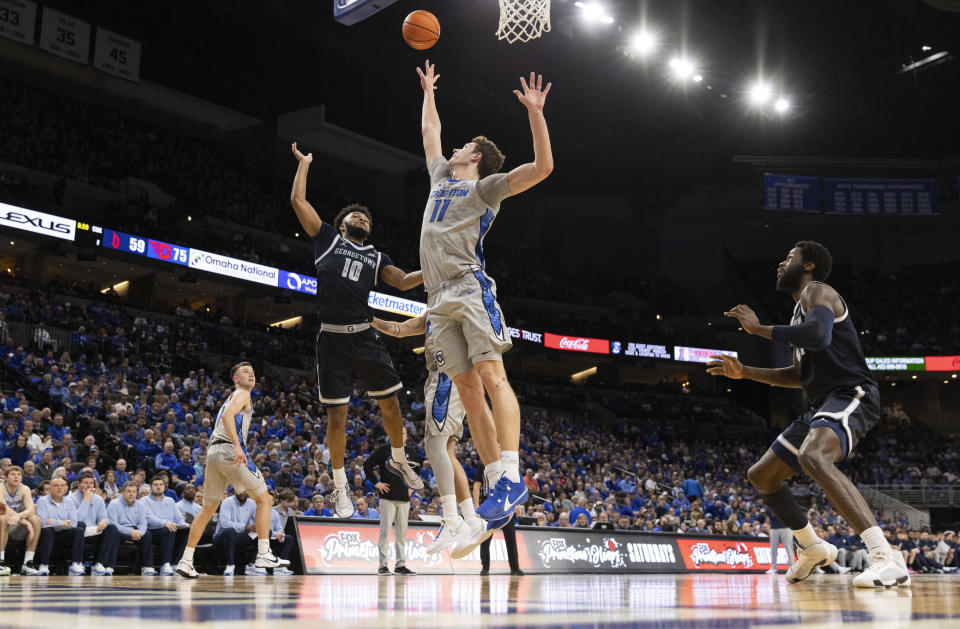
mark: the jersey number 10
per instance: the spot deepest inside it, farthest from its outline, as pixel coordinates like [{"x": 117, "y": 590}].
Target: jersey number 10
[
  {"x": 351, "y": 269},
  {"x": 439, "y": 209}
]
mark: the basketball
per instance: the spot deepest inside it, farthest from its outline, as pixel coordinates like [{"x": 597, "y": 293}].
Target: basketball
[{"x": 421, "y": 30}]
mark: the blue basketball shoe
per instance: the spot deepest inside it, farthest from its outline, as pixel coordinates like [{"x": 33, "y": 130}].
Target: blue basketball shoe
[{"x": 503, "y": 500}]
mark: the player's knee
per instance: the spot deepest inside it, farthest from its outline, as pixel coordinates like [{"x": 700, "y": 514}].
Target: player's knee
[
  {"x": 493, "y": 378},
  {"x": 813, "y": 462},
  {"x": 469, "y": 386},
  {"x": 758, "y": 478}
]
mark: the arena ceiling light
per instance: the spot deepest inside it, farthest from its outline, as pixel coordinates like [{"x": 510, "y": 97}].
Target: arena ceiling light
[
  {"x": 760, "y": 93},
  {"x": 643, "y": 43},
  {"x": 682, "y": 68},
  {"x": 593, "y": 12},
  {"x": 782, "y": 105}
]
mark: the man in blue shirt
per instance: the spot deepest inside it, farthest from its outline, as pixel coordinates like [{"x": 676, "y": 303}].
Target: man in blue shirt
[
  {"x": 130, "y": 518},
  {"x": 58, "y": 517},
  {"x": 92, "y": 513},
  {"x": 166, "y": 459},
  {"x": 692, "y": 489},
  {"x": 232, "y": 537},
  {"x": 364, "y": 512},
  {"x": 317, "y": 508},
  {"x": 165, "y": 523},
  {"x": 183, "y": 471}
]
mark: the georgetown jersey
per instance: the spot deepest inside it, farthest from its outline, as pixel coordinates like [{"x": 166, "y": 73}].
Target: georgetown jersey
[
  {"x": 456, "y": 220},
  {"x": 346, "y": 273},
  {"x": 839, "y": 366}
]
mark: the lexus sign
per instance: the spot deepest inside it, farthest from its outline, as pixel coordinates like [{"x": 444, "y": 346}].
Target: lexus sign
[{"x": 37, "y": 222}]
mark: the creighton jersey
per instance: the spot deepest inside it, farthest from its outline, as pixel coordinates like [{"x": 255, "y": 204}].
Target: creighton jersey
[
  {"x": 242, "y": 422},
  {"x": 840, "y": 365},
  {"x": 346, "y": 273},
  {"x": 456, "y": 220}
]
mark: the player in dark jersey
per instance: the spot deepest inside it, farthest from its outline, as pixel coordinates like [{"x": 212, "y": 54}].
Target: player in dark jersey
[
  {"x": 829, "y": 366},
  {"x": 348, "y": 349}
]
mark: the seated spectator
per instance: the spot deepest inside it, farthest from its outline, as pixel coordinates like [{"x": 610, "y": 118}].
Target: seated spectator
[
  {"x": 92, "y": 514},
  {"x": 317, "y": 508},
  {"x": 20, "y": 522},
  {"x": 364, "y": 512},
  {"x": 130, "y": 517},
  {"x": 183, "y": 471},
  {"x": 191, "y": 503},
  {"x": 232, "y": 537},
  {"x": 166, "y": 459},
  {"x": 60, "y": 530},
  {"x": 165, "y": 522}
]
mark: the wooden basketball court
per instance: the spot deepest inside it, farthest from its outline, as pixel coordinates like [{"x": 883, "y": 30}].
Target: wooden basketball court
[{"x": 699, "y": 600}]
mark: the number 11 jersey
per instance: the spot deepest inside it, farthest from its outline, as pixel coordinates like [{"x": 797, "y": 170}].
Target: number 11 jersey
[{"x": 346, "y": 273}]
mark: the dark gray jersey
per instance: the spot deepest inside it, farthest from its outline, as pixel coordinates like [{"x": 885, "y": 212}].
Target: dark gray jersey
[{"x": 457, "y": 217}]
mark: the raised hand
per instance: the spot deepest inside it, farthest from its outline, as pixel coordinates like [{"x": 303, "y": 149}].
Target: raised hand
[
  {"x": 534, "y": 94},
  {"x": 428, "y": 80},
  {"x": 747, "y": 317},
  {"x": 724, "y": 365},
  {"x": 300, "y": 156}
]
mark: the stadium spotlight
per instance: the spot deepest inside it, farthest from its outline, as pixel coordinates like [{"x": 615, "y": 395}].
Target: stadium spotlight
[
  {"x": 682, "y": 68},
  {"x": 925, "y": 48},
  {"x": 760, "y": 93},
  {"x": 593, "y": 12},
  {"x": 697, "y": 78},
  {"x": 782, "y": 105},
  {"x": 643, "y": 43}
]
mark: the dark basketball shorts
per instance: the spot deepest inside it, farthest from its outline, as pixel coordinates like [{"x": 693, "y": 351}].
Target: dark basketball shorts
[
  {"x": 850, "y": 413},
  {"x": 343, "y": 359}
]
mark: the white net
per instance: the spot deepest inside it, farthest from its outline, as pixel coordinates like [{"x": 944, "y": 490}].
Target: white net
[{"x": 523, "y": 20}]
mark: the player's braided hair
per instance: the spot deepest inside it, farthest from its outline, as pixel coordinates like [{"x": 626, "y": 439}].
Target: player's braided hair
[
  {"x": 811, "y": 251},
  {"x": 491, "y": 159},
  {"x": 353, "y": 207}
]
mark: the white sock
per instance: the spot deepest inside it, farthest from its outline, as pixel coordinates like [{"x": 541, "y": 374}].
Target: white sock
[
  {"x": 466, "y": 508},
  {"x": 806, "y": 536},
  {"x": 263, "y": 546},
  {"x": 492, "y": 473},
  {"x": 398, "y": 454},
  {"x": 874, "y": 539},
  {"x": 449, "y": 506},
  {"x": 2, "y": 553},
  {"x": 188, "y": 554},
  {"x": 27, "y": 556},
  {"x": 339, "y": 478},
  {"x": 510, "y": 459}
]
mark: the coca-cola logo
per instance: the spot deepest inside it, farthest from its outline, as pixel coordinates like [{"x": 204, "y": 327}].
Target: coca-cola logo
[{"x": 578, "y": 344}]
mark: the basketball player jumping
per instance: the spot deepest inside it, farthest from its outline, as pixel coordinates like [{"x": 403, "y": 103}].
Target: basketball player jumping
[
  {"x": 829, "y": 366},
  {"x": 227, "y": 464},
  {"x": 465, "y": 323},
  {"x": 347, "y": 348},
  {"x": 443, "y": 427}
]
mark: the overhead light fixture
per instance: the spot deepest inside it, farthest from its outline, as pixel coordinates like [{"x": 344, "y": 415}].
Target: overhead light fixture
[
  {"x": 925, "y": 48},
  {"x": 593, "y": 12},
  {"x": 916, "y": 65},
  {"x": 682, "y": 67},
  {"x": 580, "y": 376},
  {"x": 760, "y": 93},
  {"x": 697, "y": 78},
  {"x": 782, "y": 105},
  {"x": 287, "y": 323},
  {"x": 643, "y": 43}
]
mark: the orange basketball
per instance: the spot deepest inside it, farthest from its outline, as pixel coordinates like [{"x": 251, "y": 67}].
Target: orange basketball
[{"x": 421, "y": 30}]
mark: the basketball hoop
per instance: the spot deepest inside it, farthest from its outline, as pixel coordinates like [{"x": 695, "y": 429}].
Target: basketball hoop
[{"x": 523, "y": 20}]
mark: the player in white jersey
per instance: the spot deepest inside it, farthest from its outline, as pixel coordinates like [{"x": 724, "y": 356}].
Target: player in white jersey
[
  {"x": 227, "y": 464},
  {"x": 443, "y": 427},
  {"x": 463, "y": 318},
  {"x": 18, "y": 519}
]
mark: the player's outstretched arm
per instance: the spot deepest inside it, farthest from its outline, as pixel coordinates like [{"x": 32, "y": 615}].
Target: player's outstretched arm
[
  {"x": 430, "y": 119},
  {"x": 307, "y": 216},
  {"x": 410, "y": 327},
  {"x": 533, "y": 97},
  {"x": 398, "y": 279},
  {"x": 723, "y": 365}
]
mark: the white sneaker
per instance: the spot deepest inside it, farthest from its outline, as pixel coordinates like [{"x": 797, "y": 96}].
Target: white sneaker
[
  {"x": 887, "y": 569},
  {"x": 148, "y": 572},
  {"x": 773, "y": 571},
  {"x": 843, "y": 570},
  {"x": 229, "y": 570},
  {"x": 472, "y": 534},
  {"x": 5, "y": 571},
  {"x": 342, "y": 504},
  {"x": 43, "y": 570},
  {"x": 185, "y": 569},
  {"x": 166, "y": 570},
  {"x": 282, "y": 570},
  {"x": 406, "y": 473},
  {"x": 253, "y": 571},
  {"x": 447, "y": 536},
  {"x": 76, "y": 570},
  {"x": 98, "y": 570},
  {"x": 269, "y": 560},
  {"x": 808, "y": 559}
]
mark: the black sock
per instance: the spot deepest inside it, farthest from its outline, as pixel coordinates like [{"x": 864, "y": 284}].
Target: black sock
[{"x": 784, "y": 505}]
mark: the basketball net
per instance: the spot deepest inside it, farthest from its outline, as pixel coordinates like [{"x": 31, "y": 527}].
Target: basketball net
[{"x": 523, "y": 20}]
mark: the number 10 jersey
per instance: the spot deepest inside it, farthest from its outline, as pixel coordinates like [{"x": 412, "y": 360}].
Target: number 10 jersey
[{"x": 346, "y": 273}]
